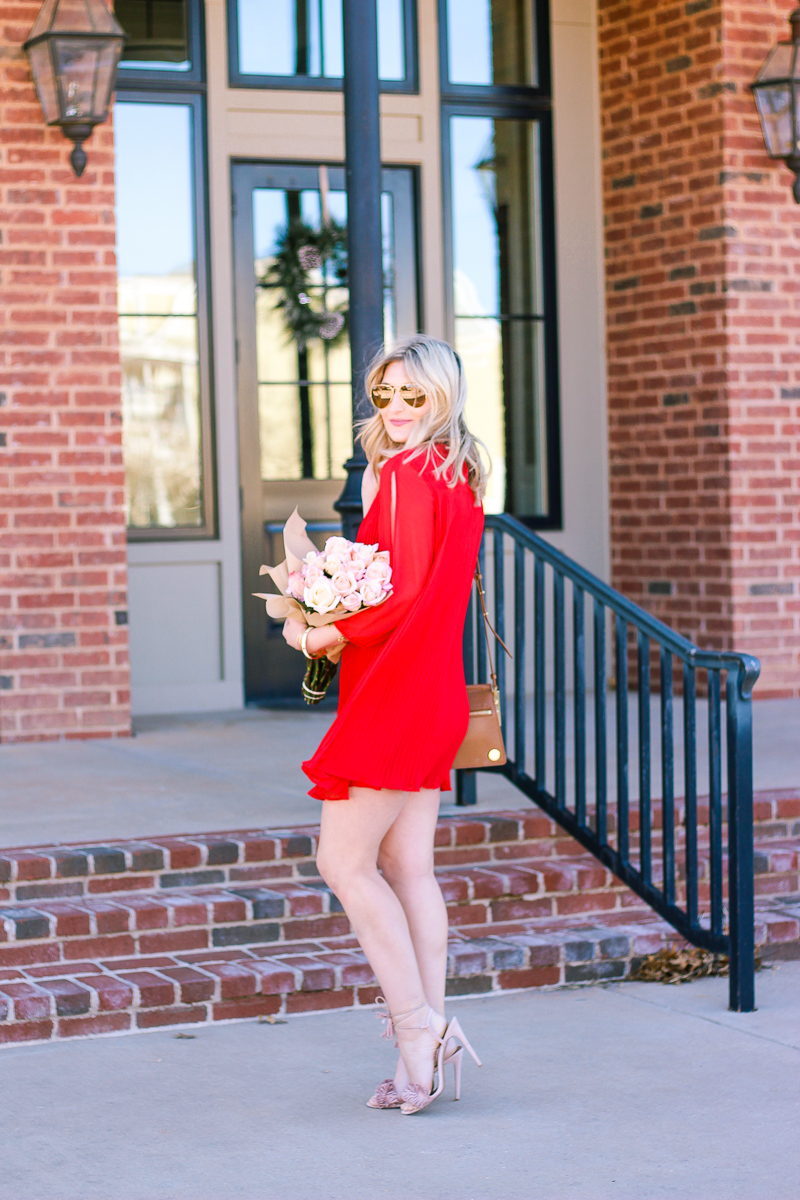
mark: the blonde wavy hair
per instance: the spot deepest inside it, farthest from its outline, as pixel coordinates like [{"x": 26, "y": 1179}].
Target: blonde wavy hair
[{"x": 436, "y": 368}]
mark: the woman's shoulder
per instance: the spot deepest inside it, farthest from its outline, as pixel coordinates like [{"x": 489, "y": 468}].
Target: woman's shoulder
[{"x": 408, "y": 465}]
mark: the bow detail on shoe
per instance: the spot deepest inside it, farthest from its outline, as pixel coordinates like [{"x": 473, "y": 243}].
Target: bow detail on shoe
[
  {"x": 414, "y": 1098},
  {"x": 385, "y": 1096}
]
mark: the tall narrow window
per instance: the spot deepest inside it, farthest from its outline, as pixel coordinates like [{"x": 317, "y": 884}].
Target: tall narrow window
[
  {"x": 491, "y": 42},
  {"x": 498, "y": 153},
  {"x": 164, "y": 414},
  {"x": 498, "y": 299},
  {"x": 165, "y": 37},
  {"x": 287, "y": 43}
]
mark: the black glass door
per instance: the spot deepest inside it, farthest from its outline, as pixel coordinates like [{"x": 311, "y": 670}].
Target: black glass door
[{"x": 295, "y": 413}]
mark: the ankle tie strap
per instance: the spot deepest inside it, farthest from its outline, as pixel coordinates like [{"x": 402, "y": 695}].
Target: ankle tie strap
[{"x": 393, "y": 1021}]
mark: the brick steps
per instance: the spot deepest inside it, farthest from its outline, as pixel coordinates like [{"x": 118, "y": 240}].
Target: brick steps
[
  {"x": 119, "y": 995},
  {"x": 253, "y": 856},
  {"x": 132, "y": 935},
  {"x": 175, "y": 920}
]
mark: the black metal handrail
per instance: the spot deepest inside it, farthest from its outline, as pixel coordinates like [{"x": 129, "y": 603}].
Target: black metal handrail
[{"x": 671, "y": 884}]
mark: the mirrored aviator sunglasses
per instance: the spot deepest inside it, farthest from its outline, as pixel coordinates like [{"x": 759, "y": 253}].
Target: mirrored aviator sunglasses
[{"x": 383, "y": 393}]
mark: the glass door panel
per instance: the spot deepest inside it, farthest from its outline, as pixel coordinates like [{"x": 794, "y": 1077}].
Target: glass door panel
[
  {"x": 498, "y": 302},
  {"x": 295, "y": 398}
]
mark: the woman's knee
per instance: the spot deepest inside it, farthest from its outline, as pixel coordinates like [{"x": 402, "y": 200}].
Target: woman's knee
[
  {"x": 405, "y": 868},
  {"x": 328, "y": 868},
  {"x": 341, "y": 873}
]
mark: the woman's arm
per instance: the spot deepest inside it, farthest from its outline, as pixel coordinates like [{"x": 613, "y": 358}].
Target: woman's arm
[
  {"x": 369, "y": 488},
  {"x": 410, "y": 540}
]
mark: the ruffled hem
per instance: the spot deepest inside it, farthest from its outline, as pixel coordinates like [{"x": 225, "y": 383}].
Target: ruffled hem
[{"x": 337, "y": 787}]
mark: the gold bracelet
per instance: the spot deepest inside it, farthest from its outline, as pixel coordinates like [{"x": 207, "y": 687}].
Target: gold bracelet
[{"x": 303, "y": 647}]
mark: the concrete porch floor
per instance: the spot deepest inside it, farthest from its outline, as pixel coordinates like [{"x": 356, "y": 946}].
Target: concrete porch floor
[
  {"x": 235, "y": 770},
  {"x": 624, "y": 1092}
]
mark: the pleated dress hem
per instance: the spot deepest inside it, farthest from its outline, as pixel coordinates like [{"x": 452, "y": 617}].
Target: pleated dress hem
[{"x": 337, "y": 787}]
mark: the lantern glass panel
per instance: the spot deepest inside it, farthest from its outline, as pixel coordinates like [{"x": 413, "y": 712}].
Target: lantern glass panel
[
  {"x": 82, "y": 16},
  {"x": 85, "y": 71},
  {"x": 775, "y": 110},
  {"x": 45, "y": 81},
  {"x": 778, "y": 63}
]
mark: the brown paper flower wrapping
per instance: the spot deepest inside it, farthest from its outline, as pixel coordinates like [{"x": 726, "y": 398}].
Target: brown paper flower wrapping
[{"x": 296, "y": 544}]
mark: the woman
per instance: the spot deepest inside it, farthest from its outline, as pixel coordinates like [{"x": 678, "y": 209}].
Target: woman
[{"x": 403, "y": 707}]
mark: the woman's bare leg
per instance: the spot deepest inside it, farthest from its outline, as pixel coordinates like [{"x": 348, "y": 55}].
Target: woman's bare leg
[
  {"x": 406, "y": 862},
  {"x": 351, "y": 834}
]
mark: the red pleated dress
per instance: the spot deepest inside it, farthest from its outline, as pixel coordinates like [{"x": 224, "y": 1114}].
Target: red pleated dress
[{"x": 403, "y": 708}]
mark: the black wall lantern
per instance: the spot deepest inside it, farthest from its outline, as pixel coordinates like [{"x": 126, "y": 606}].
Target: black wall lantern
[
  {"x": 74, "y": 49},
  {"x": 777, "y": 93}
]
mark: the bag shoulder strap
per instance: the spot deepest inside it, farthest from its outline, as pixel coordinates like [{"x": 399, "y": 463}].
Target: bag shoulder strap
[{"x": 488, "y": 627}]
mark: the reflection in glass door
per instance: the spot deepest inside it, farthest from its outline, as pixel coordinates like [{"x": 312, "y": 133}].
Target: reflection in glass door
[{"x": 295, "y": 411}]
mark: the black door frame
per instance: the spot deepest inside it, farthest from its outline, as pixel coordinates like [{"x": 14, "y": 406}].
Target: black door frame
[{"x": 263, "y": 647}]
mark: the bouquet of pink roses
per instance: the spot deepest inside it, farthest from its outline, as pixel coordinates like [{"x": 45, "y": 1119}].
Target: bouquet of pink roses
[
  {"x": 322, "y": 586},
  {"x": 347, "y": 576}
]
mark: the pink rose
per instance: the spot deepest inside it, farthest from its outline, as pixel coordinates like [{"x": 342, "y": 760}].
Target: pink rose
[
  {"x": 296, "y": 586},
  {"x": 336, "y": 545},
  {"x": 383, "y": 555},
  {"x": 380, "y": 571},
  {"x": 321, "y": 597},
  {"x": 343, "y": 582},
  {"x": 352, "y": 602},
  {"x": 333, "y": 564},
  {"x": 312, "y": 574},
  {"x": 358, "y": 566},
  {"x": 363, "y": 552},
  {"x": 370, "y": 592}
]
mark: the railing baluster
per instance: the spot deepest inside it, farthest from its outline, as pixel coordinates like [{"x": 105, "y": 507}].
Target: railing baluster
[
  {"x": 600, "y": 780},
  {"x": 690, "y": 788},
  {"x": 621, "y": 672},
  {"x": 539, "y": 696},
  {"x": 519, "y": 655},
  {"x": 559, "y": 652},
  {"x": 645, "y": 817},
  {"x": 500, "y": 618},
  {"x": 579, "y": 699},
  {"x": 715, "y": 799},
  {"x": 667, "y": 778}
]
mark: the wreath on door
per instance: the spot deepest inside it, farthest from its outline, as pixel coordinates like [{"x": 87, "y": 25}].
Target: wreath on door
[{"x": 305, "y": 259}]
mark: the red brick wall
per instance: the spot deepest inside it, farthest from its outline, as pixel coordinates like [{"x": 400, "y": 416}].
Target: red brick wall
[
  {"x": 702, "y": 236},
  {"x": 763, "y": 360},
  {"x": 63, "y": 637}
]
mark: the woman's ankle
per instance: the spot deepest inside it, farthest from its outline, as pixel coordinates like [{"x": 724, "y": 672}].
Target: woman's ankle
[{"x": 438, "y": 1022}]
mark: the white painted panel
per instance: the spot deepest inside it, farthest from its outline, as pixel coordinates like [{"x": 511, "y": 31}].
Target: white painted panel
[
  {"x": 581, "y": 287},
  {"x": 174, "y": 614}
]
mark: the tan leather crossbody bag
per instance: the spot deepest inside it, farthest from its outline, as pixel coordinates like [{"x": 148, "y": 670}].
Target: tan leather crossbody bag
[{"x": 483, "y": 746}]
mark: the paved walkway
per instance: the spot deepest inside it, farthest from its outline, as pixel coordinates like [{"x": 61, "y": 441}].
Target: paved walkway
[
  {"x": 242, "y": 770},
  {"x": 630, "y": 1092}
]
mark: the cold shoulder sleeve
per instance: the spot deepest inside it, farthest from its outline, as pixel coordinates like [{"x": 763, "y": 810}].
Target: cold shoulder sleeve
[{"x": 410, "y": 540}]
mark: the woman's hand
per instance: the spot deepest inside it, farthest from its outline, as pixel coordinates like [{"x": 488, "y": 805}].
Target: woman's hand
[
  {"x": 322, "y": 640},
  {"x": 293, "y": 630}
]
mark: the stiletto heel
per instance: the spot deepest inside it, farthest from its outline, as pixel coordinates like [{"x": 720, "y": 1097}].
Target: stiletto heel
[
  {"x": 456, "y": 1061},
  {"x": 454, "y": 1030}
]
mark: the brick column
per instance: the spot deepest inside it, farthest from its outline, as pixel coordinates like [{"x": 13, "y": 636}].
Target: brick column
[
  {"x": 702, "y": 257},
  {"x": 63, "y": 632}
]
